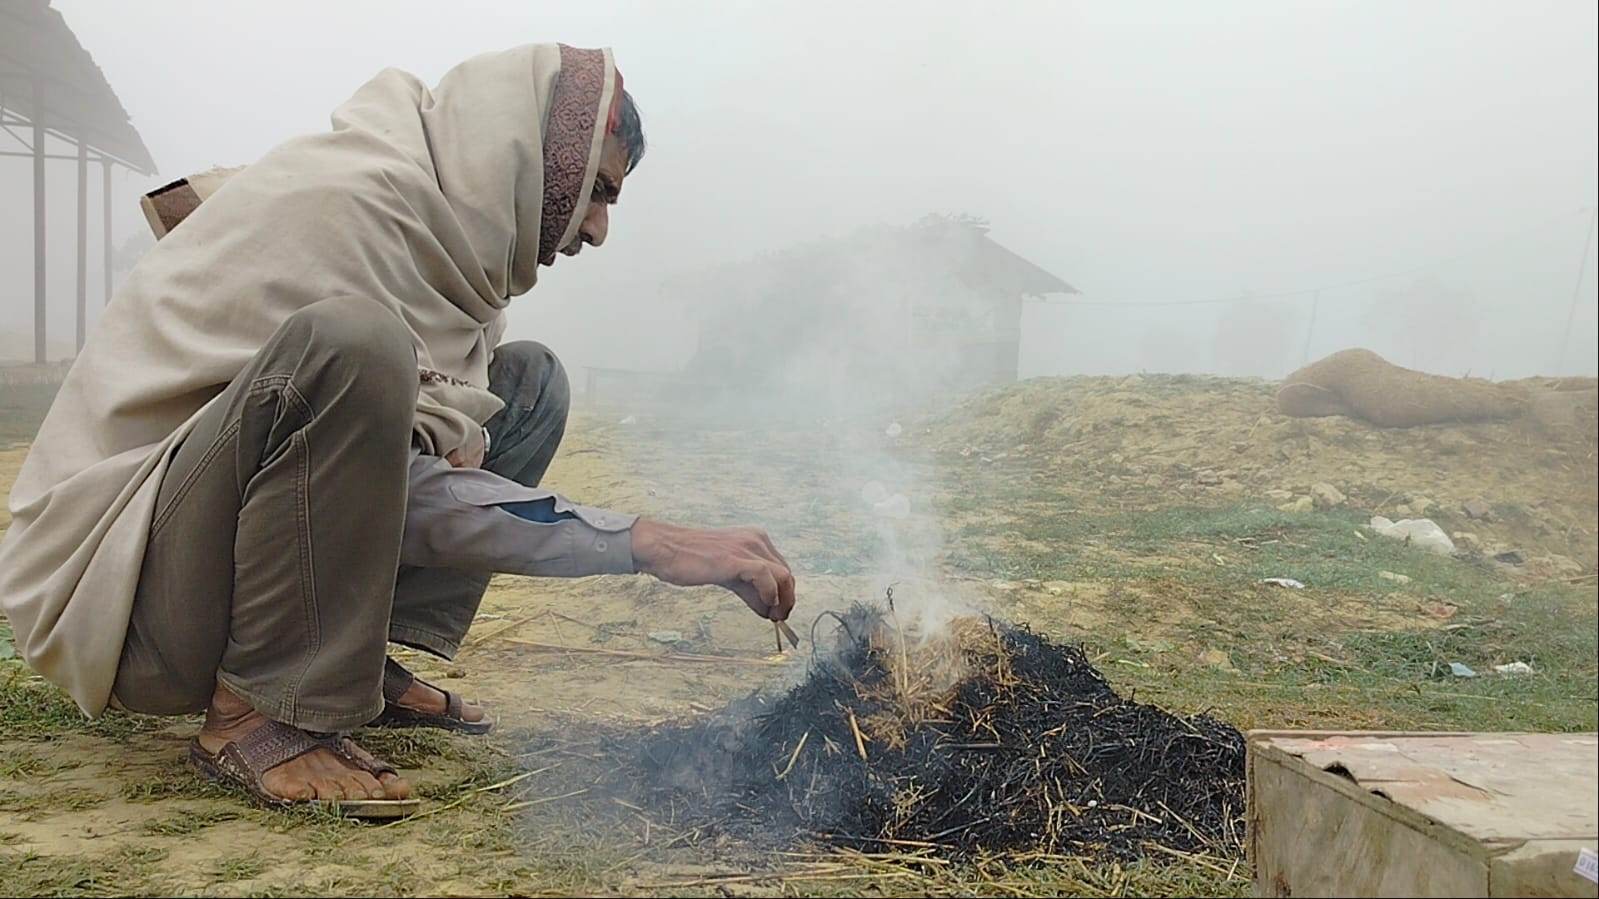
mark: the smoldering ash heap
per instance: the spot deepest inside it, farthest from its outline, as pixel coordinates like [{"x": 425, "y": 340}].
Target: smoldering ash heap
[{"x": 975, "y": 737}]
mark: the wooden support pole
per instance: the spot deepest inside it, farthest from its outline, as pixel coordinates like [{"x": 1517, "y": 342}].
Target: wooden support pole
[
  {"x": 83, "y": 244},
  {"x": 38, "y": 227},
  {"x": 105, "y": 197}
]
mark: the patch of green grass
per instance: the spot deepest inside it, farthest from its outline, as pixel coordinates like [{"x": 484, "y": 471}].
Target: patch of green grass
[
  {"x": 32, "y": 874},
  {"x": 188, "y": 821},
  {"x": 238, "y": 867},
  {"x": 118, "y": 872},
  {"x": 1303, "y": 669},
  {"x": 36, "y": 802},
  {"x": 20, "y": 763},
  {"x": 168, "y": 783},
  {"x": 31, "y": 709}
]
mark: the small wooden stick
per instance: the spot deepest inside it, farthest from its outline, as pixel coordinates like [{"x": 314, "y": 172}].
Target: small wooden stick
[
  {"x": 860, "y": 742},
  {"x": 777, "y": 632},
  {"x": 793, "y": 638},
  {"x": 795, "y": 757}
]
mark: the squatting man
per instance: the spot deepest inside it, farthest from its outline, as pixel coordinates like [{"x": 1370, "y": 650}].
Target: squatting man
[{"x": 296, "y": 437}]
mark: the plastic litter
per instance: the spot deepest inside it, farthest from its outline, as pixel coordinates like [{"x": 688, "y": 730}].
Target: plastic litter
[
  {"x": 1288, "y": 582},
  {"x": 1514, "y": 668},
  {"x": 894, "y": 430},
  {"x": 1459, "y": 670}
]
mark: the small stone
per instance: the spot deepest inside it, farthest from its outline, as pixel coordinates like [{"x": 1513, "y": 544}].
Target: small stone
[
  {"x": 1403, "y": 511},
  {"x": 1510, "y": 557},
  {"x": 1326, "y": 496},
  {"x": 1478, "y": 509},
  {"x": 455, "y": 672},
  {"x": 1468, "y": 541},
  {"x": 667, "y": 637},
  {"x": 1208, "y": 478},
  {"x": 1003, "y": 586},
  {"x": 1279, "y": 495},
  {"x": 1420, "y": 506},
  {"x": 1057, "y": 588},
  {"x": 1218, "y": 659},
  {"x": 1298, "y": 506},
  {"x": 1396, "y": 578}
]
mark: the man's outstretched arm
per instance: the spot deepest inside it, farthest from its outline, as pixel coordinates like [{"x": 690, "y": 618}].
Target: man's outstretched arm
[{"x": 475, "y": 520}]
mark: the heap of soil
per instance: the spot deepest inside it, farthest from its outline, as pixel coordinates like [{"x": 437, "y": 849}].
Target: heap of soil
[
  {"x": 980, "y": 738},
  {"x": 1361, "y": 384},
  {"x": 1155, "y": 441}
]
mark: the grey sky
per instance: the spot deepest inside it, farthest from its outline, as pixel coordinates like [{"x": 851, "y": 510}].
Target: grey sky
[{"x": 1142, "y": 151}]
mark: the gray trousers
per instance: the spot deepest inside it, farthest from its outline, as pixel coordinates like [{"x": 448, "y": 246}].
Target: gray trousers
[{"x": 273, "y": 560}]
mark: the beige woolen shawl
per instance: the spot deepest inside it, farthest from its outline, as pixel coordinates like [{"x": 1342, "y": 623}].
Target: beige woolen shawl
[{"x": 437, "y": 205}]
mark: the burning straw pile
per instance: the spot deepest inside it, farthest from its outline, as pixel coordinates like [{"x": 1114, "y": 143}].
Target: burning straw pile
[{"x": 981, "y": 738}]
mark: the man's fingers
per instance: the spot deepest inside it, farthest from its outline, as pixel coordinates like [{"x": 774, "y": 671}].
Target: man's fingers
[
  {"x": 785, "y": 596},
  {"x": 750, "y": 596},
  {"x": 765, "y": 583}
]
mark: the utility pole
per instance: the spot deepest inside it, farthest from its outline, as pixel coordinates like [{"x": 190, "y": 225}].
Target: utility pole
[
  {"x": 1576, "y": 291},
  {"x": 1315, "y": 301}
]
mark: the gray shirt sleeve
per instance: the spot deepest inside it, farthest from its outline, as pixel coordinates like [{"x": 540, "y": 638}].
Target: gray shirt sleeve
[{"x": 455, "y": 519}]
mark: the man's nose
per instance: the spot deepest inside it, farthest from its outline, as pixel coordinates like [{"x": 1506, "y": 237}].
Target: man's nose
[{"x": 595, "y": 225}]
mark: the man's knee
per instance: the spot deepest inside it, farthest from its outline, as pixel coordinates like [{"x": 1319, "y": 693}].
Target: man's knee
[
  {"x": 528, "y": 374},
  {"x": 355, "y": 349}
]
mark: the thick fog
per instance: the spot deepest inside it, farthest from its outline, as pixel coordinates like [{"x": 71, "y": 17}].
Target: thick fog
[{"x": 1430, "y": 165}]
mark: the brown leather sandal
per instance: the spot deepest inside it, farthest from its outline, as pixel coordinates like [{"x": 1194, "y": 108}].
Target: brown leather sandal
[
  {"x": 242, "y": 763},
  {"x": 396, "y": 680}
]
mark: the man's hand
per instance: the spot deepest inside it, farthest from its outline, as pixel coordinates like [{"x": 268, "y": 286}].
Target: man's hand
[
  {"x": 741, "y": 559},
  {"x": 471, "y": 455}
]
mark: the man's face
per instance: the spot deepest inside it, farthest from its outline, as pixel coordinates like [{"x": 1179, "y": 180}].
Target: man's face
[{"x": 607, "y": 188}]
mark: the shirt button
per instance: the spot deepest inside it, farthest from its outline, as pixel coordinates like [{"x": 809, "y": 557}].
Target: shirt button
[
  {"x": 600, "y": 545},
  {"x": 600, "y": 521}
]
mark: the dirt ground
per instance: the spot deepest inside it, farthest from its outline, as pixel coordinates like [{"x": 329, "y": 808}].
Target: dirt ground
[{"x": 1138, "y": 516}]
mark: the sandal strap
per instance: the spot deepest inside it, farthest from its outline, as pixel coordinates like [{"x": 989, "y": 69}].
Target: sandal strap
[
  {"x": 453, "y": 706},
  {"x": 396, "y": 680},
  {"x": 345, "y": 748},
  {"x": 251, "y": 756}
]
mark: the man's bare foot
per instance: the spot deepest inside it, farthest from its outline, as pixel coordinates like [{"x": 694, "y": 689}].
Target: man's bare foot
[
  {"x": 319, "y": 774},
  {"x": 423, "y": 697}
]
